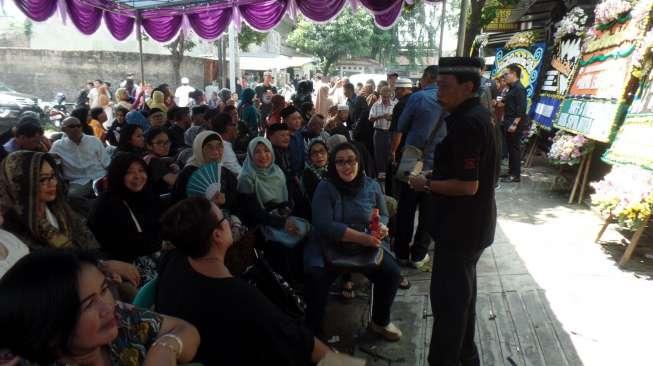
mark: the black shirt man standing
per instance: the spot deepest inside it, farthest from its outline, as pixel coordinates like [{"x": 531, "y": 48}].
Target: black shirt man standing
[
  {"x": 514, "y": 120},
  {"x": 464, "y": 217}
]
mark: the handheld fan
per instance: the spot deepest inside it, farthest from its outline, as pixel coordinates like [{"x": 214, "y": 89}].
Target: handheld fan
[{"x": 205, "y": 181}]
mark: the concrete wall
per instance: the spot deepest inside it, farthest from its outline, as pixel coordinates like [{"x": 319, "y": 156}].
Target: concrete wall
[{"x": 43, "y": 73}]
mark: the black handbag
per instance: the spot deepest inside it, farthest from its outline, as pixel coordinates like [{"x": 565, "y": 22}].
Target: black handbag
[
  {"x": 273, "y": 286},
  {"x": 351, "y": 257}
]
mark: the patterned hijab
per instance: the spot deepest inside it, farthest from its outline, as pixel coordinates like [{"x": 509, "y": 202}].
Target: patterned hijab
[
  {"x": 19, "y": 184},
  {"x": 268, "y": 183},
  {"x": 318, "y": 171}
]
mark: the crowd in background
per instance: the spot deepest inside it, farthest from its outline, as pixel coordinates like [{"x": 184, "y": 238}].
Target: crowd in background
[{"x": 161, "y": 187}]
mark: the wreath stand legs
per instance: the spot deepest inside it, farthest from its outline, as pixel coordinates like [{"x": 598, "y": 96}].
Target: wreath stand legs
[
  {"x": 581, "y": 178},
  {"x": 632, "y": 245}
]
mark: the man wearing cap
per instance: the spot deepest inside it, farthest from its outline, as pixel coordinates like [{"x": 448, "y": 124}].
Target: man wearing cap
[
  {"x": 403, "y": 90},
  {"x": 182, "y": 94},
  {"x": 336, "y": 125},
  {"x": 464, "y": 219},
  {"x": 84, "y": 158},
  {"x": 264, "y": 93},
  {"x": 418, "y": 119}
]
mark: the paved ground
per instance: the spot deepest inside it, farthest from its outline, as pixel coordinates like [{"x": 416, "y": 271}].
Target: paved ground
[{"x": 548, "y": 295}]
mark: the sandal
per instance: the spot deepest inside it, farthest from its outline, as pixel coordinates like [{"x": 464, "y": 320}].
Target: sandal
[
  {"x": 404, "y": 284},
  {"x": 347, "y": 291}
]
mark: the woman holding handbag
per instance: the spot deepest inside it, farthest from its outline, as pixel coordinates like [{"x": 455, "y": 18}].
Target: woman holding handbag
[
  {"x": 349, "y": 217},
  {"x": 263, "y": 200}
]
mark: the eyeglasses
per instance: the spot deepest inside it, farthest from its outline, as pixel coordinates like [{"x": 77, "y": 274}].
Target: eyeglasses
[
  {"x": 349, "y": 162},
  {"x": 47, "y": 179}
]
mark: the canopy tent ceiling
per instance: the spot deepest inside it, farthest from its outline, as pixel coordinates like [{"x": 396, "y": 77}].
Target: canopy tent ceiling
[{"x": 163, "y": 19}]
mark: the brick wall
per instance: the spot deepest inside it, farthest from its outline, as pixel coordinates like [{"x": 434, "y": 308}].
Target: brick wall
[{"x": 43, "y": 73}]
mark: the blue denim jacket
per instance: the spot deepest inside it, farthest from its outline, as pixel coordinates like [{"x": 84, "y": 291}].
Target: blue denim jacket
[
  {"x": 329, "y": 225},
  {"x": 419, "y": 117}
]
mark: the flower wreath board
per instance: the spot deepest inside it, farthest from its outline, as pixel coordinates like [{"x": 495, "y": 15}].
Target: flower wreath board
[
  {"x": 596, "y": 102},
  {"x": 633, "y": 143},
  {"x": 523, "y": 51},
  {"x": 561, "y": 70}
]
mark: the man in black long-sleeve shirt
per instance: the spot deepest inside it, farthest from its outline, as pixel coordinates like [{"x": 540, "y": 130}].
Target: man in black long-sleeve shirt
[
  {"x": 359, "y": 113},
  {"x": 514, "y": 120}
]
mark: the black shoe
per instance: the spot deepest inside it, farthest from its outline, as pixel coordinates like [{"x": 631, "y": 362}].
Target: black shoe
[
  {"x": 511, "y": 179},
  {"x": 506, "y": 175}
]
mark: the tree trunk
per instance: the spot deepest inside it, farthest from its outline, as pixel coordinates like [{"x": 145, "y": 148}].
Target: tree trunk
[
  {"x": 327, "y": 66},
  {"x": 473, "y": 25},
  {"x": 177, "y": 48}
]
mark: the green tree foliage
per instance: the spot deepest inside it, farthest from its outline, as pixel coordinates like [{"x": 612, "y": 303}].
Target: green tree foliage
[
  {"x": 248, "y": 36},
  {"x": 347, "y": 35},
  {"x": 415, "y": 35}
]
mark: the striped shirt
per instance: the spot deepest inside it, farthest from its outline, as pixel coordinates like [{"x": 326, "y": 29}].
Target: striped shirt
[{"x": 379, "y": 109}]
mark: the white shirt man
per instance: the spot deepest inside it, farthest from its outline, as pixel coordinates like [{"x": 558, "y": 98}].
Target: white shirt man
[
  {"x": 181, "y": 94},
  {"x": 84, "y": 157}
]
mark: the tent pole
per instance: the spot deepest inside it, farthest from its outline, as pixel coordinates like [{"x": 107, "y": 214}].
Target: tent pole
[
  {"x": 232, "y": 58},
  {"x": 442, "y": 15},
  {"x": 139, "y": 34}
]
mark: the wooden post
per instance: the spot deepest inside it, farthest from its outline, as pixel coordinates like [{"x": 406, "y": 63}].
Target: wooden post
[
  {"x": 607, "y": 222},
  {"x": 588, "y": 164},
  {"x": 577, "y": 180},
  {"x": 632, "y": 245},
  {"x": 530, "y": 155}
]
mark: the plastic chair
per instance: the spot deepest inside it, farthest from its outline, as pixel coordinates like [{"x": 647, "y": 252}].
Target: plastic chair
[{"x": 146, "y": 295}]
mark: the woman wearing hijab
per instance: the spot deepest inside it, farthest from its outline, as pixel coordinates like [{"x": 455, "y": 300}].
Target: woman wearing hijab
[
  {"x": 264, "y": 201},
  {"x": 322, "y": 101},
  {"x": 157, "y": 101},
  {"x": 316, "y": 166},
  {"x": 248, "y": 112},
  {"x": 131, "y": 140},
  {"x": 125, "y": 219},
  {"x": 36, "y": 211},
  {"x": 343, "y": 205},
  {"x": 208, "y": 148},
  {"x": 137, "y": 118}
]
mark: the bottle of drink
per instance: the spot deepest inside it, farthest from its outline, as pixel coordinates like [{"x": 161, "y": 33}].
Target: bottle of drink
[{"x": 375, "y": 224}]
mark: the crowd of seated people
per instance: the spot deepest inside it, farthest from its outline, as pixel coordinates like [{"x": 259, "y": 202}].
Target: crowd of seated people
[{"x": 159, "y": 197}]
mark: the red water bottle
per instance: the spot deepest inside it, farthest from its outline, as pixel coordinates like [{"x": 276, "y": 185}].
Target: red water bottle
[{"x": 375, "y": 225}]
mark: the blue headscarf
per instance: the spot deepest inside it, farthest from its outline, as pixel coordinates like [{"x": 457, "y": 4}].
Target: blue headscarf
[{"x": 137, "y": 118}]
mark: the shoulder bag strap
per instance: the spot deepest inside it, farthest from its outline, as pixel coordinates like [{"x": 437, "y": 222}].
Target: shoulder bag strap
[{"x": 434, "y": 133}]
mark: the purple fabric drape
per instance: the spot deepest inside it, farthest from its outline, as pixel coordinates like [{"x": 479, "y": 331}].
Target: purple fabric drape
[
  {"x": 85, "y": 17},
  {"x": 164, "y": 27},
  {"x": 264, "y": 15},
  {"x": 120, "y": 26},
  {"x": 320, "y": 10},
  {"x": 210, "y": 23},
  {"x": 381, "y": 6},
  {"x": 388, "y": 18},
  {"x": 37, "y": 10}
]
